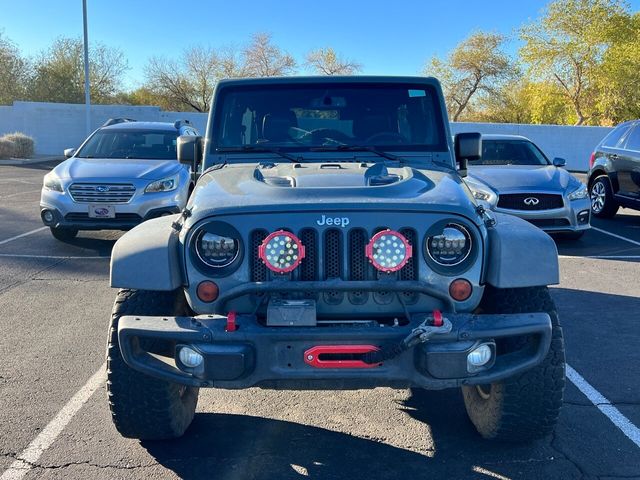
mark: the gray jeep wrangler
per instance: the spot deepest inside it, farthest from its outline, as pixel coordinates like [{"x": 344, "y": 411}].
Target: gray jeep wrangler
[{"x": 332, "y": 243}]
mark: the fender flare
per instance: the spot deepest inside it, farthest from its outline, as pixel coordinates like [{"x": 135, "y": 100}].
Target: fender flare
[
  {"x": 520, "y": 254},
  {"x": 148, "y": 257}
]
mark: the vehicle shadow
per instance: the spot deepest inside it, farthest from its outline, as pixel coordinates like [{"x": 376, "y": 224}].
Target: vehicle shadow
[{"x": 226, "y": 446}]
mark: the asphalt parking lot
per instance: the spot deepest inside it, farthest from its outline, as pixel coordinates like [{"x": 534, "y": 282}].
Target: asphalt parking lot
[{"x": 54, "y": 421}]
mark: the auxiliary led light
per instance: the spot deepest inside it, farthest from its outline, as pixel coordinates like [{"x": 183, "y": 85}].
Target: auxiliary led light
[
  {"x": 281, "y": 251},
  {"x": 388, "y": 251},
  {"x": 190, "y": 358}
]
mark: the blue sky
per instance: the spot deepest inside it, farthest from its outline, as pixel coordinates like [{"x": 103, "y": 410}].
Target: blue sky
[{"x": 386, "y": 36}]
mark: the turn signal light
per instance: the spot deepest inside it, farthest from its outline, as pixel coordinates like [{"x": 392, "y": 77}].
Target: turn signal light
[
  {"x": 207, "y": 291},
  {"x": 460, "y": 289}
]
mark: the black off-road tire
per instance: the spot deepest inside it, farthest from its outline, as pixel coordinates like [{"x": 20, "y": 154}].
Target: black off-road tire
[
  {"x": 525, "y": 407},
  {"x": 64, "y": 234},
  {"x": 141, "y": 406},
  {"x": 602, "y": 186}
]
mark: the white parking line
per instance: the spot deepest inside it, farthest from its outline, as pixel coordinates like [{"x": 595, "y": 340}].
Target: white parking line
[
  {"x": 30, "y": 455},
  {"x": 2, "y": 242},
  {"x": 619, "y": 237},
  {"x": 612, "y": 413}
]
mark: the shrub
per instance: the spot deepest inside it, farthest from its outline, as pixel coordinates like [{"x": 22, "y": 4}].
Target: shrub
[
  {"x": 6, "y": 148},
  {"x": 23, "y": 145}
]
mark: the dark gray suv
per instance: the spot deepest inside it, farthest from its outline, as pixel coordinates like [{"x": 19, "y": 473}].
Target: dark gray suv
[{"x": 614, "y": 175}]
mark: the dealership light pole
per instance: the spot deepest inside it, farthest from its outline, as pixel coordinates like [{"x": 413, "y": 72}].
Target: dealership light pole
[{"x": 87, "y": 85}]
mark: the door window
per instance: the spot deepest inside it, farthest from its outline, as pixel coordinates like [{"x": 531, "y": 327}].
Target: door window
[{"x": 633, "y": 140}]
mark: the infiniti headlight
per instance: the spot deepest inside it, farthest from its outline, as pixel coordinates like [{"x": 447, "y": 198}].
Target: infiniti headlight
[
  {"x": 51, "y": 182},
  {"x": 164, "y": 185},
  {"x": 216, "y": 250},
  {"x": 451, "y": 246},
  {"x": 579, "y": 193}
]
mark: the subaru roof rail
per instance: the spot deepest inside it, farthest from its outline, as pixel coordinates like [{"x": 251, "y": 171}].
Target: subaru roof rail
[
  {"x": 179, "y": 123},
  {"x": 114, "y": 121}
]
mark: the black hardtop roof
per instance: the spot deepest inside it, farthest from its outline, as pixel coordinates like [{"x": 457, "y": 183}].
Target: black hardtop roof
[{"x": 324, "y": 79}]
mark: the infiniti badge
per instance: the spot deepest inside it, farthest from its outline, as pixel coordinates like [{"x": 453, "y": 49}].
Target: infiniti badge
[{"x": 531, "y": 201}]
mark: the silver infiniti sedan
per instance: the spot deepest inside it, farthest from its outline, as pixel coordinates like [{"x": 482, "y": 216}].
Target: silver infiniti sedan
[
  {"x": 124, "y": 173},
  {"x": 514, "y": 176}
]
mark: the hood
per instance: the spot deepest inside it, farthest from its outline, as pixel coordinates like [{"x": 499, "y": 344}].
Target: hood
[
  {"x": 331, "y": 186},
  {"x": 107, "y": 169},
  {"x": 503, "y": 178}
]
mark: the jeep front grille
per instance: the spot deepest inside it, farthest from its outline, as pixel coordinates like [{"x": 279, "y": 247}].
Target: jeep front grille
[
  {"x": 530, "y": 201},
  {"x": 102, "y": 192},
  {"x": 325, "y": 259}
]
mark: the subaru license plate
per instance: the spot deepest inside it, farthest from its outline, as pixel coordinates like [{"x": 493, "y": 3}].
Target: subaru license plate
[{"x": 102, "y": 211}]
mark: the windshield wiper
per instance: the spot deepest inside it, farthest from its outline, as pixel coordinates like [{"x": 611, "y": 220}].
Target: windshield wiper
[
  {"x": 358, "y": 148},
  {"x": 258, "y": 149}
]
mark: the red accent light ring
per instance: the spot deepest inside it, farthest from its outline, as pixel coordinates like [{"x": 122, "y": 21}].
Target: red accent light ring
[
  {"x": 397, "y": 250},
  {"x": 281, "y": 255}
]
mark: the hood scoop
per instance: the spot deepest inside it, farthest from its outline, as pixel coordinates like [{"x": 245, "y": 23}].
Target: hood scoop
[{"x": 378, "y": 175}]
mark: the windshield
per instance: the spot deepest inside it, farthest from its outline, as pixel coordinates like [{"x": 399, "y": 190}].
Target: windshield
[
  {"x": 510, "y": 152},
  {"x": 139, "y": 144},
  {"x": 304, "y": 117}
]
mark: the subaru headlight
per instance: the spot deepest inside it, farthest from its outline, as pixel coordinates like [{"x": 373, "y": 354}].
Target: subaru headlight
[
  {"x": 51, "y": 182},
  {"x": 164, "y": 185},
  {"x": 579, "y": 193},
  {"x": 215, "y": 250},
  {"x": 451, "y": 246}
]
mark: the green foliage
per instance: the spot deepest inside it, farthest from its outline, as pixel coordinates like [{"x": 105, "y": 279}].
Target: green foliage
[
  {"x": 59, "y": 72},
  {"x": 325, "y": 61},
  {"x": 14, "y": 72},
  {"x": 16, "y": 145},
  {"x": 476, "y": 67}
]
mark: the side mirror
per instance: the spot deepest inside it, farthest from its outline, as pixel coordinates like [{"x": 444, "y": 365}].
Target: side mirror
[
  {"x": 190, "y": 151},
  {"x": 69, "y": 152},
  {"x": 559, "y": 162},
  {"x": 467, "y": 146}
]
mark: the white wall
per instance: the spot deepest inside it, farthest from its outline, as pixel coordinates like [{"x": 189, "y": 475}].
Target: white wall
[
  {"x": 56, "y": 126},
  {"x": 574, "y": 144}
]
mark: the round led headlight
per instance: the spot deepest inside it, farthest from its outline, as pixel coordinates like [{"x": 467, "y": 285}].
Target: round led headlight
[
  {"x": 216, "y": 250},
  {"x": 451, "y": 247},
  {"x": 388, "y": 251},
  {"x": 281, "y": 251}
]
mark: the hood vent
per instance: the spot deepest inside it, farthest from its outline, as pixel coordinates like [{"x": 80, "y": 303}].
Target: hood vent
[
  {"x": 279, "y": 181},
  {"x": 378, "y": 175}
]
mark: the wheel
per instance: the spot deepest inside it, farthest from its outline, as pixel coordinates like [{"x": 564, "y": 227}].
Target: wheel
[
  {"x": 64, "y": 234},
  {"x": 525, "y": 407},
  {"x": 603, "y": 204},
  {"x": 141, "y": 406}
]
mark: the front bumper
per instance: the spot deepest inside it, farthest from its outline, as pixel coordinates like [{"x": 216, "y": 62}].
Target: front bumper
[
  {"x": 274, "y": 357},
  {"x": 68, "y": 213},
  {"x": 574, "y": 216}
]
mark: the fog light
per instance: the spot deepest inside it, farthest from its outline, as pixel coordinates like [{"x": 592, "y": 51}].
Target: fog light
[
  {"x": 47, "y": 216},
  {"x": 583, "y": 217},
  {"x": 479, "y": 357},
  {"x": 190, "y": 358}
]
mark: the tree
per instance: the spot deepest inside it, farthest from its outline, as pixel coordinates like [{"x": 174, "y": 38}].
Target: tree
[
  {"x": 568, "y": 44},
  {"x": 59, "y": 72},
  {"x": 14, "y": 72},
  {"x": 476, "y": 66},
  {"x": 189, "y": 82},
  {"x": 325, "y": 61},
  {"x": 264, "y": 59}
]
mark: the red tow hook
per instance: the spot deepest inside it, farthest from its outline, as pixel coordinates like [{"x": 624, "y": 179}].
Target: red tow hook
[
  {"x": 231, "y": 322},
  {"x": 437, "y": 318},
  {"x": 333, "y": 356}
]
